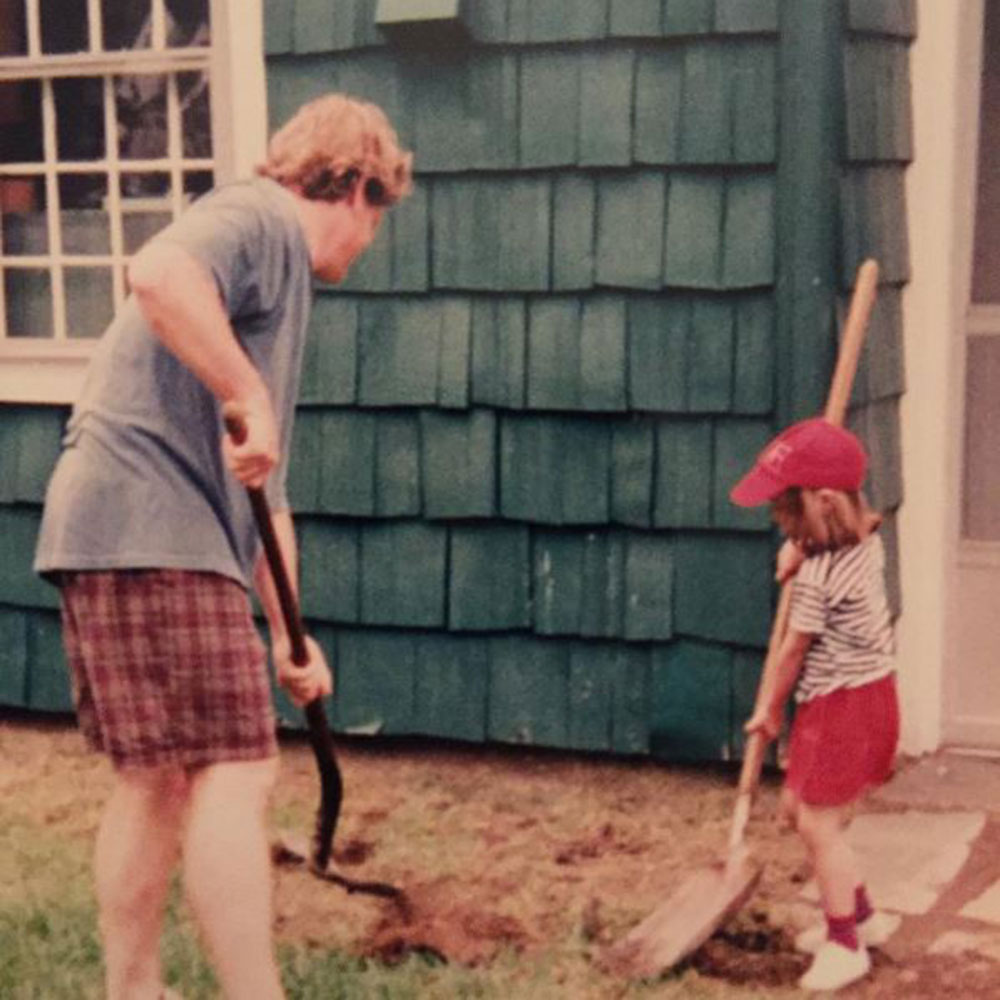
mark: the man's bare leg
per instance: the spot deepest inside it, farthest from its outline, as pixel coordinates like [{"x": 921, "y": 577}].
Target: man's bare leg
[
  {"x": 227, "y": 874},
  {"x": 137, "y": 847}
]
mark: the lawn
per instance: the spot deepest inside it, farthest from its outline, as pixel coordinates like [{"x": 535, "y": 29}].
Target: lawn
[{"x": 521, "y": 867}]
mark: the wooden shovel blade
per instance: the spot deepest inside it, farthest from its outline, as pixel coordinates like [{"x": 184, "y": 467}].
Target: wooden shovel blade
[{"x": 685, "y": 921}]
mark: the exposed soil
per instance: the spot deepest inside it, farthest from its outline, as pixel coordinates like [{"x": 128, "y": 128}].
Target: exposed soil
[{"x": 501, "y": 851}]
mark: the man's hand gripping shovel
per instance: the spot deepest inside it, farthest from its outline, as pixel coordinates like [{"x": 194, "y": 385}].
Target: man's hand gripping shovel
[{"x": 331, "y": 783}]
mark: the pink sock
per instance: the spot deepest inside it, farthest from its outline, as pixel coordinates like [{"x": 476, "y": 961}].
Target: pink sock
[
  {"x": 863, "y": 908},
  {"x": 843, "y": 930}
]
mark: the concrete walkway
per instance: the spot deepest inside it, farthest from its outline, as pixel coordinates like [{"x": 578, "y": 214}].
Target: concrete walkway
[{"x": 929, "y": 843}]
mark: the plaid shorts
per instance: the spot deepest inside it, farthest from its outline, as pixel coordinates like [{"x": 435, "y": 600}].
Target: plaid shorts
[{"x": 167, "y": 667}]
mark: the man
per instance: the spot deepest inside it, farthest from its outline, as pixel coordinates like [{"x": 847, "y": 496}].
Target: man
[{"x": 148, "y": 533}]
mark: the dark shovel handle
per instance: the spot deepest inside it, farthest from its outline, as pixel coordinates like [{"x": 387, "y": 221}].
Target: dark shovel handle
[{"x": 331, "y": 783}]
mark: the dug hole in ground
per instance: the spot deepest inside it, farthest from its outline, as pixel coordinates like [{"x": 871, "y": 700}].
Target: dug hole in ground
[{"x": 552, "y": 857}]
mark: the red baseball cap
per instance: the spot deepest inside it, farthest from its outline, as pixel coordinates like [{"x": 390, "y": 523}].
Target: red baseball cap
[{"x": 813, "y": 454}]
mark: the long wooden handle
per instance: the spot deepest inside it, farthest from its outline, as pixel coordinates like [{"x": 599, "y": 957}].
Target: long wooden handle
[
  {"x": 848, "y": 355},
  {"x": 855, "y": 327},
  {"x": 331, "y": 782},
  {"x": 236, "y": 428}
]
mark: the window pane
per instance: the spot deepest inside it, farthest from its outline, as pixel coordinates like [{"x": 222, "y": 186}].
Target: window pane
[
  {"x": 196, "y": 120},
  {"x": 981, "y": 496},
  {"x": 85, "y": 226},
  {"x": 89, "y": 300},
  {"x": 79, "y": 118},
  {"x": 126, "y": 24},
  {"x": 145, "y": 184},
  {"x": 187, "y": 23},
  {"x": 64, "y": 26},
  {"x": 23, "y": 222},
  {"x": 13, "y": 36},
  {"x": 141, "y": 105},
  {"x": 145, "y": 207},
  {"x": 197, "y": 182},
  {"x": 21, "y": 121},
  {"x": 29, "y": 302}
]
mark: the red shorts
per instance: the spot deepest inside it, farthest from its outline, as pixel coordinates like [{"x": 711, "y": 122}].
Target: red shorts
[
  {"x": 843, "y": 743},
  {"x": 167, "y": 667}
]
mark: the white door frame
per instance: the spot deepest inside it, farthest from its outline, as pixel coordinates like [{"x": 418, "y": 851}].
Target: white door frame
[{"x": 945, "y": 72}]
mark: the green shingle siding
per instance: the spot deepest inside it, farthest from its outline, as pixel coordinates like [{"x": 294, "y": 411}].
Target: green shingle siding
[
  {"x": 403, "y": 574},
  {"x": 889, "y": 17},
  {"x": 499, "y": 353},
  {"x": 635, "y": 18},
  {"x": 14, "y": 656},
  {"x": 48, "y": 689},
  {"x": 528, "y": 697},
  {"x": 459, "y": 464},
  {"x": 632, "y": 452},
  {"x": 452, "y": 687},
  {"x": 874, "y": 200},
  {"x": 683, "y": 485},
  {"x": 879, "y": 124},
  {"x": 523, "y": 411},
  {"x": 397, "y": 465},
  {"x": 630, "y": 214},
  {"x": 329, "y": 574},
  {"x": 746, "y": 15},
  {"x": 718, "y": 581},
  {"x": 554, "y": 470},
  {"x": 686, "y": 17},
  {"x": 29, "y": 445},
  {"x": 574, "y": 211},
  {"x": 18, "y": 584},
  {"x": 489, "y": 578},
  {"x": 691, "y": 685},
  {"x": 329, "y": 371},
  {"x": 606, "y": 89},
  {"x": 375, "y": 681}
]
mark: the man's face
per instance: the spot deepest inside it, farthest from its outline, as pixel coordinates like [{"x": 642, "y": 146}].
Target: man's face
[{"x": 351, "y": 226}]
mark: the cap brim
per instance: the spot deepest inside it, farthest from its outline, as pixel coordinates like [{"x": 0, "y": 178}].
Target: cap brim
[{"x": 756, "y": 487}]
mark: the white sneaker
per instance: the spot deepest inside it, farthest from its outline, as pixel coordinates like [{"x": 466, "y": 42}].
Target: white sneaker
[
  {"x": 835, "y": 966},
  {"x": 875, "y": 931}
]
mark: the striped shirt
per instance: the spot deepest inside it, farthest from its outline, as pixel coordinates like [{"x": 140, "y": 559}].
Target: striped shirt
[{"x": 839, "y": 597}]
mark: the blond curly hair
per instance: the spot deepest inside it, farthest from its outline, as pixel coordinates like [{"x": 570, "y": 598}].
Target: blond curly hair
[{"x": 332, "y": 142}]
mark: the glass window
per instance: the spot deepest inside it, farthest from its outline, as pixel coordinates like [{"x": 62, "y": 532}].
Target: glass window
[{"x": 105, "y": 115}]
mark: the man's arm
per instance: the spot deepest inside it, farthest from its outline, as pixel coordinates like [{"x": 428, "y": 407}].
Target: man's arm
[{"x": 180, "y": 301}]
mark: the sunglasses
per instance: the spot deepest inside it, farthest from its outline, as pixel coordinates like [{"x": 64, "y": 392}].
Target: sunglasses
[{"x": 327, "y": 186}]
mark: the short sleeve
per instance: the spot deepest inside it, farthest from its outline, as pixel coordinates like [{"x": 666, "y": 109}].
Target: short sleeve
[
  {"x": 229, "y": 232},
  {"x": 809, "y": 607}
]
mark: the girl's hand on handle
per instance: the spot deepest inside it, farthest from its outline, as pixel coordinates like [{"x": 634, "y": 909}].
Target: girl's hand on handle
[
  {"x": 256, "y": 455},
  {"x": 303, "y": 683},
  {"x": 767, "y": 722},
  {"x": 790, "y": 558}
]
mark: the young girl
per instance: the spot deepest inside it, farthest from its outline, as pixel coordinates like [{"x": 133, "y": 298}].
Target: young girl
[{"x": 838, "y": 655}]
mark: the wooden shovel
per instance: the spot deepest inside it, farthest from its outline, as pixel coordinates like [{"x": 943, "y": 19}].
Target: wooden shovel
[{"x": 710, "y": 895}]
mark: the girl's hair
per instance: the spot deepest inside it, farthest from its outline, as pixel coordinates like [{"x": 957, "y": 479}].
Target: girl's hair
[
  {"x": 333, "y": 142},
  {"x": 847, "y": 519}
]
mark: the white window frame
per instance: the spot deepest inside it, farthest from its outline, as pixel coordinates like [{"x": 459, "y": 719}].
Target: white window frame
[{"x": 37, "y": 370}]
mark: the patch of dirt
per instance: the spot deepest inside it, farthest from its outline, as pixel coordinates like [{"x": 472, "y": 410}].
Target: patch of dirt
[
  {"x": 545, "y": 855},
  {"x": 750, "y": 951},
  {"x": 440, "y": 918}
]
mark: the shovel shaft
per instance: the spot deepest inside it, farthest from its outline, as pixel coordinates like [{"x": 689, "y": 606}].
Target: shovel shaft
[
  {"x": 331, "y": 783},
  {"x": 851, "y": 342}
]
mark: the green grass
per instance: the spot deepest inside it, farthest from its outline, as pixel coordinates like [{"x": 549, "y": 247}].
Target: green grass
[{"x": 50, "y": 946}]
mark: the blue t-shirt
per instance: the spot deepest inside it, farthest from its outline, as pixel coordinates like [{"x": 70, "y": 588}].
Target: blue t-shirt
[{"x": 140, "y": 482}]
